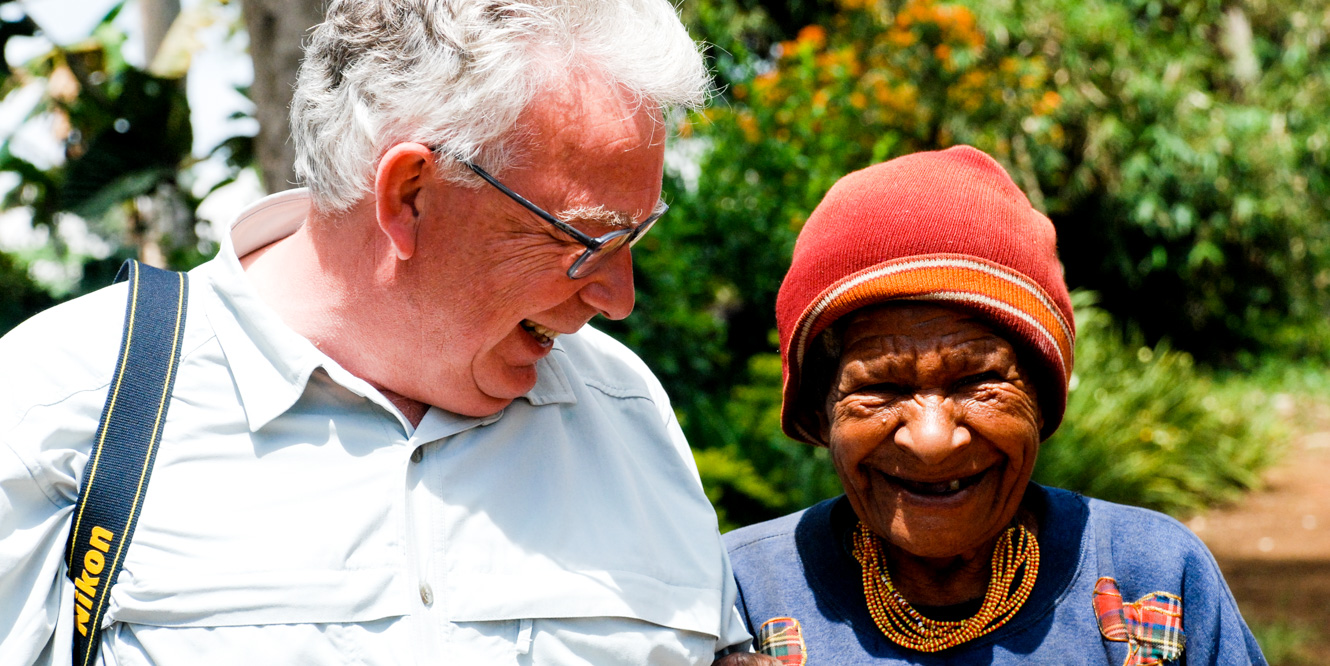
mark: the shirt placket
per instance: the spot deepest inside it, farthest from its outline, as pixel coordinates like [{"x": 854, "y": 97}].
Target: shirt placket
[{"x": 425, "y": 541}]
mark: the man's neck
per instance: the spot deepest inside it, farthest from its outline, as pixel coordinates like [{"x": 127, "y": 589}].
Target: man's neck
[{"x": 325, "y": 289}]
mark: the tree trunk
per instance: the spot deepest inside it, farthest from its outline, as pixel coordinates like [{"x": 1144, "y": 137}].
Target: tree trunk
[
  {"x": 158, "y": 15},
  {"x": 149, "y": 215},
  {"x": 277, "y": 28}
]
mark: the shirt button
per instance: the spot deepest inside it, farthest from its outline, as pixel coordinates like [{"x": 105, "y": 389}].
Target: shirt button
[
  {"x": 426, "y": 596},
  {"x": 417, "y": 454}
]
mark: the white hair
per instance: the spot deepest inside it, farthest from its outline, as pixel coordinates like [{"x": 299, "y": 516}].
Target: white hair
[{"x": 456, "y": 75}]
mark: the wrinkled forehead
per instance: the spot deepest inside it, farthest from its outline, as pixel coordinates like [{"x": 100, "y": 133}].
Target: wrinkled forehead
[
  {"x": 913, "y": 320},
  {"x": 901, "y": 330},
  {"x": 593, "y": 144},
  {"x": 584, "y": 110}
]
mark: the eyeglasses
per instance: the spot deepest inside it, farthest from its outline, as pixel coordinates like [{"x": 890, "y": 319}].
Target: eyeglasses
[{"x": 597, "y": 249}]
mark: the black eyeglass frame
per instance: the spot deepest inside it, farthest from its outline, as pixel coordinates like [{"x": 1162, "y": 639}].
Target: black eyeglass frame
[{"x": 595, "y": 252}]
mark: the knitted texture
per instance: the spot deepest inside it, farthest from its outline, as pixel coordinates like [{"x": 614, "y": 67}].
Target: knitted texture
[{"x": 948, "y": 227}]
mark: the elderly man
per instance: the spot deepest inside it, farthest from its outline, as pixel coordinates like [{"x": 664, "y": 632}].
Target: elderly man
[{"x": 392, "y": 438}]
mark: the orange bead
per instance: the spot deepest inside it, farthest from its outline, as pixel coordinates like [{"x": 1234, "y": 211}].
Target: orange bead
[{"x": 1017, "y": 553}]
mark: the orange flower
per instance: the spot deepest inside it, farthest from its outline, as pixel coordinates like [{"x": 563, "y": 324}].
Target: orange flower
[
  {"x": 974, "y": 78},
  {"x": 921, "y": 11},
  {"x": 820, "y": 99},
  {"x": 1048, "y": 103},
  {"x": 908, "y": 97},
  {"x": 900, "y": 38},
  {"x": 748, "y": 124},
  {"x": 814, "y": 35},
  {"x": 763, "y": 83},
  {"x": 881, "y": 92},
  {"x": 964, "y": 19}
]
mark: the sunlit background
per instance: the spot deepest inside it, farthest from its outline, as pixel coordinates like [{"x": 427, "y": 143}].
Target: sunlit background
[{"x": 1180, "y": 147}]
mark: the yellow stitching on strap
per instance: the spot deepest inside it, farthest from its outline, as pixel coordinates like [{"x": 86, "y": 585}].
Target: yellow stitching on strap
[
  {"x": 147, "y": 459},
  {"x": 115, "y": 393}
]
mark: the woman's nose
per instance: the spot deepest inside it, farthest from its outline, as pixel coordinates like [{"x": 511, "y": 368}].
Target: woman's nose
[{"x": 930, "y": 431}]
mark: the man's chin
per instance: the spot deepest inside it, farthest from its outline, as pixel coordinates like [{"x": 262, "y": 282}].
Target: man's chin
[
  {"x": 504, "y": 387},
  {"x": 478, "y": 406},
  {"x": 482, "y": 398}
]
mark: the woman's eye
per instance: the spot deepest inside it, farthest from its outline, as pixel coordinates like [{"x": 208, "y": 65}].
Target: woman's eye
[
  {"x": 884, "y": 388},
  {"x": 980, "y": 378}
]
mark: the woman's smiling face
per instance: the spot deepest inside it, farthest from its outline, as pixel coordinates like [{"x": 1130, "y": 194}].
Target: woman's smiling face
[{"x": 933, "y": 426}]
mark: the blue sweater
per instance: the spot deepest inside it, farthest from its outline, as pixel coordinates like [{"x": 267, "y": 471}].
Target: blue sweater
[{"x": 800, "y": 566}]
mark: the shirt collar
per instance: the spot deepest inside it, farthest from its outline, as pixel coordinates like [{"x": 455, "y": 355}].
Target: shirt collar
[{"x": 271, "y": 363}]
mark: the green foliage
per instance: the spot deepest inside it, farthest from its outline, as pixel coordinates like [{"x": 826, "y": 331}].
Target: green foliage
[
  {"x": 125, "y": 132},
  {"x": 756, "y": 472},
  {"x": 830, "y": 103},
  {"x": 1191, "y": 189},
  {"x": 1145, "y": 426},
  {"x": 127, "y": 140},
  {"x": 21, "y": 296},
  {"x": 1179, "y": 147},
  {"x": 1181, "y": 156}
]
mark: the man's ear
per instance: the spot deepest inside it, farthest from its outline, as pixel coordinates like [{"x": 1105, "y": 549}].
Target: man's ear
[{"x": 402, "y": 174}]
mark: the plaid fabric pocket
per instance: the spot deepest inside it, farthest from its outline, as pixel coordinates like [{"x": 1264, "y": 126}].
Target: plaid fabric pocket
[
  {"x": 783, "y": 638},
  {"x": 1151, "y": 627}
]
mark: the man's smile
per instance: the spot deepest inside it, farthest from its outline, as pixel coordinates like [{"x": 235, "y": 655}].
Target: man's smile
[{"x": 542, "y": 334}]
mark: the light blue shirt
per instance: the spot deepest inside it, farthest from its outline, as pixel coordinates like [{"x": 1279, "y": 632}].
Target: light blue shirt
[{"x": 295, "y": 516}]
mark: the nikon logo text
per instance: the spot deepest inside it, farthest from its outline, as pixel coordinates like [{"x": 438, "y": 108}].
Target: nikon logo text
[{"x": 86, "y": 582}]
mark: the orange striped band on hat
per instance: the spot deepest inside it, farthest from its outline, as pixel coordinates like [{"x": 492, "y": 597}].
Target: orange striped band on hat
[{"x": 1008, "y": 297}]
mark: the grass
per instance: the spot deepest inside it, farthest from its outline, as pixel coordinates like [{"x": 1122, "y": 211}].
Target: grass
[{"x": 1284, "y": 643}]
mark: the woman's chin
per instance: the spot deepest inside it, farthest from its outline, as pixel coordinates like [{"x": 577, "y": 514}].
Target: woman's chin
[{"x": 943, "y": 523}]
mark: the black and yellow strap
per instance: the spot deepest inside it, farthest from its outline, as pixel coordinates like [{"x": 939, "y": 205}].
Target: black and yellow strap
[{"x": 120, "y": 462}]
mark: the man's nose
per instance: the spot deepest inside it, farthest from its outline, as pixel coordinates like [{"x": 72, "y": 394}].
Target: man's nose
[
  {"x": 930, "y": 431},
  {"x": 609, "y": 289}
]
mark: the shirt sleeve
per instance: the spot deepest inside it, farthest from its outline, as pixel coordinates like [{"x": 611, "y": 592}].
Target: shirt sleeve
[
  {"x": 55, "y": 374},
  {"x": 1216, "y": 632},
  {"x": 32, "y": 535},
  {"x": 733, "y": 634}
]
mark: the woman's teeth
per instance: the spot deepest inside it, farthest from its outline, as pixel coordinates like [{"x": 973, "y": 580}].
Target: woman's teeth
[
  {"x": 941, "y": 488},
  {"x": 542, "y": 335},
  {"x": 933, "y": 488}
]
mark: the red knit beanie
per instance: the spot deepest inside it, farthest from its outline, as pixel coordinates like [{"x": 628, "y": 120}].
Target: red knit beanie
[{"x": 948, "y": 227}]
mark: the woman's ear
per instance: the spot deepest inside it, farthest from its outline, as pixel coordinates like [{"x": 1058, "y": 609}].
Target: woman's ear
[
  {"x": 402, "y": 174},
  {"x": 823, "y": 426}
]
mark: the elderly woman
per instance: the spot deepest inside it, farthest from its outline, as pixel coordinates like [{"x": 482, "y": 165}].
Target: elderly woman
[{"x": 927, "y": 337}]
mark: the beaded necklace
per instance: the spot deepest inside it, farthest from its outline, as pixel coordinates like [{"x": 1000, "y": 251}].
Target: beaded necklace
[{"x": 1015, "y": 557}]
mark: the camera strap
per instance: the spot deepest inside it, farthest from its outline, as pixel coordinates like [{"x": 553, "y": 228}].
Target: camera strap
[{"x": 119, "y": 465}]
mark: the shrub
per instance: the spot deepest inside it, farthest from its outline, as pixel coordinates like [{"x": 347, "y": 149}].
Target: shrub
[{"x": 1145, "y": 426}]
